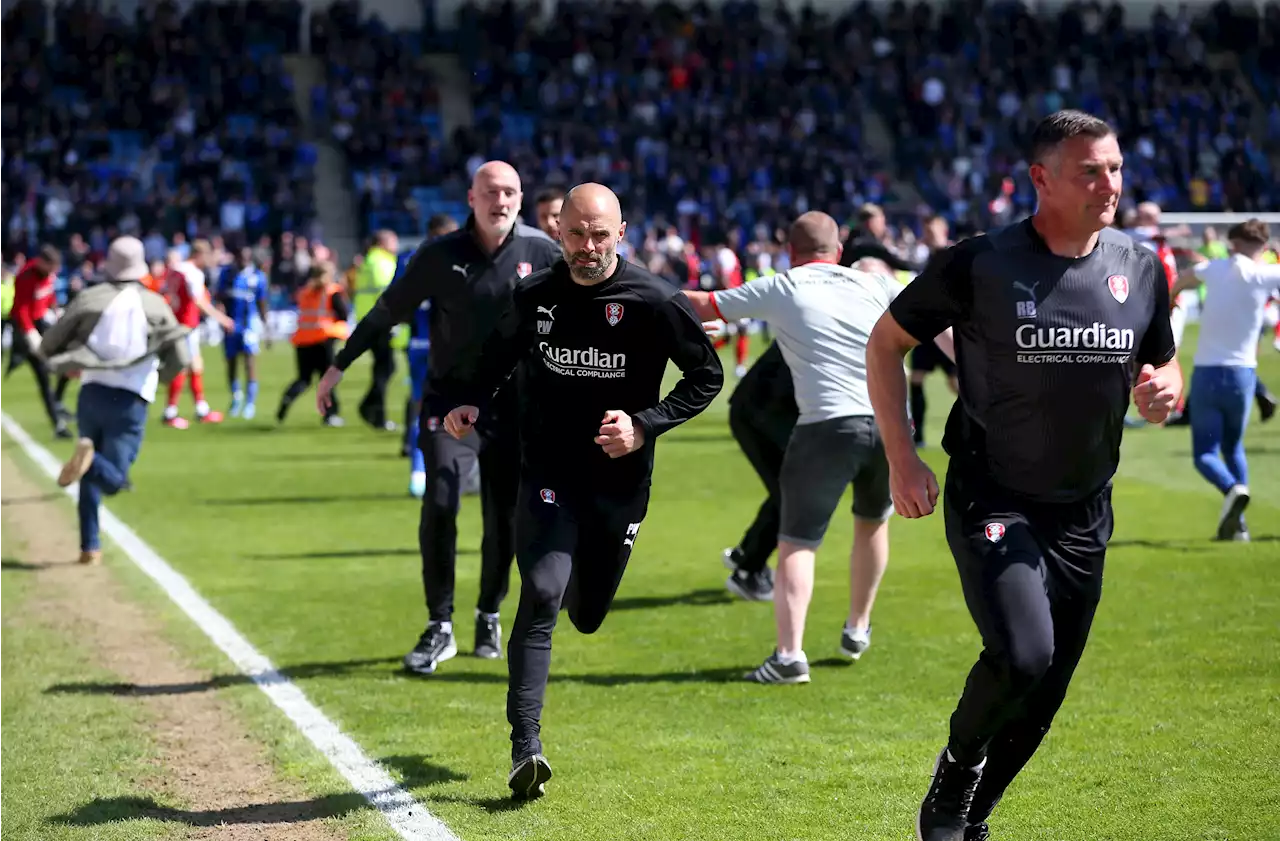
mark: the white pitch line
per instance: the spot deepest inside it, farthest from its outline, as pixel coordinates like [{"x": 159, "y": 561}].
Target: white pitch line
[{"x": 408, "y": 817}]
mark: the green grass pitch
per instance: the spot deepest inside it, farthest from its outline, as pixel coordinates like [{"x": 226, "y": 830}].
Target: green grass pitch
[{"x": 305, "y": 538}]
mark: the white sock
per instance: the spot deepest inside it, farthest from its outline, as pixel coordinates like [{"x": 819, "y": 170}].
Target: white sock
[
  {"x": 170, "y": 412},
  {"x": 202, "y": 408},
  {"x": 786, "y": 658},
  {"x": 447, "y": 627},
  {"x": 488, "y": 617}
]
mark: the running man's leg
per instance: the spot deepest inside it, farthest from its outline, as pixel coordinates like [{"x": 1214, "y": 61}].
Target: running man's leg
[
  {"x": 499, "y": 488},
  {"x": 547, "y": 533},
  {"x": 1210, "y": 391},
  {"x": 251, "y": 375},
  {"x": 605, "y": 543},
  {"x": 232, "y": 347},
  {"x": 1075, "y": 589},
  {"x": 818, "y": 465},
  {"x": 765, "y": 453},
  {"x": 438, "y": 541}
]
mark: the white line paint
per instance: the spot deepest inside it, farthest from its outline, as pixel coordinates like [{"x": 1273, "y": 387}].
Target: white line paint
[{"x": 408, "y": 817}]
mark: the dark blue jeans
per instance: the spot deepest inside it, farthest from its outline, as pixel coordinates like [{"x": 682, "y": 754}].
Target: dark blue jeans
[
  {"x": 1220, "y": 402},
  {"x": 114, "y": 419}
]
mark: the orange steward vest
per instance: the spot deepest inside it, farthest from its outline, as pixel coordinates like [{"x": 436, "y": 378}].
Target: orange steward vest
[{"x": 316, "y": 320}]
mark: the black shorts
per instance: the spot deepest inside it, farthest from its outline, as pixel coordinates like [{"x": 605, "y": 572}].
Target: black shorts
[
  {"x": 822, "y": 459},
  {"x": 989, "y": 528},
  {"x": 926, "y": 357}
]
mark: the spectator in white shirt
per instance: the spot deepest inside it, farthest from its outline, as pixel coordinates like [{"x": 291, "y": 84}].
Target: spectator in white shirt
[
  {"x": 124, "y": 338},
  {"x": 1222, "y": 387}
]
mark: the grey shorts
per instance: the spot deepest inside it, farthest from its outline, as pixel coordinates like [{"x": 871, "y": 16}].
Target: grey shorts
[{"x": 822, "y": 459}]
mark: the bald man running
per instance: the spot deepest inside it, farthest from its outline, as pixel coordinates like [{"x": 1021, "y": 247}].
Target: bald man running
[
  {"x": 592, "y": 337},
  {"x": 468, "y": 276},
  {"x": 823, "y": 314}
]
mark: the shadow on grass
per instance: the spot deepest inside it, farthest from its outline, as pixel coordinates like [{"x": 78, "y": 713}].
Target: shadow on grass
[
  {"x": 1202, "y": 545},
  {"x": 298, "y": 672},
  {"x": 15, "y": 565},
  {"x": 492, "y": 805},
  {"x": 697, "y": 598},
  {"x": 30, "y": 500},
  {"x": 309, "y": 670},
  {"x": 347, "y": 554},
  {"x": 418, "y": 771},
  {"x": 106, "y": 810},
  {"x": 717, "y": 675}
]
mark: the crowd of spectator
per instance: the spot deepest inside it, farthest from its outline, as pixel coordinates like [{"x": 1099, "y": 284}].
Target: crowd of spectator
[
  {"x": 741, "y": 115},
  {"x": 716, "y": 125},
  {"x": 380, "y": 103},
  {"x": 172, "y": 123},
  {"x": 964, "y": 85}
]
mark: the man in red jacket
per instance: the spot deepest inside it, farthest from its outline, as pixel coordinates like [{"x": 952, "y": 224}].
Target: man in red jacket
[{"x": 32, "y": 315}]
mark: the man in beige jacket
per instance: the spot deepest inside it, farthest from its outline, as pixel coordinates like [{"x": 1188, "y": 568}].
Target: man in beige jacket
[{"x": 122, "y": 339}]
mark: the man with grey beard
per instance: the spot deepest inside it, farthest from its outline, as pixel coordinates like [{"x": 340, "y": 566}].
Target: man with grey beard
[
  {"x": 468, "y": 276},
  {"x": 592, "y": 336}
]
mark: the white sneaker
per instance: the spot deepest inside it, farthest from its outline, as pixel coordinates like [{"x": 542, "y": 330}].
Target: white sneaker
[{"x": 1233, "y": 505}]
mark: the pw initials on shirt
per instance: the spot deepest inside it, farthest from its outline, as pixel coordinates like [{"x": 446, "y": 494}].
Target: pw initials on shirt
[
  {"x": 544, "y": 324},
  {"x": 632, "y": 531}
]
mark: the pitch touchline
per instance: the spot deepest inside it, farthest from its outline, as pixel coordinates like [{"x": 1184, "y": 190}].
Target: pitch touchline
[{"x": 409, "y": 818}]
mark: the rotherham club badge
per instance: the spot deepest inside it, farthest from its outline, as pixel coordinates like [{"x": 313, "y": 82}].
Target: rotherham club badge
[
  {"x": 433, "y": 424},
  {"x": 549, "y": 495},
  {"x": 524, "y": 269},
  {"x": 613, "y": 314},
  {"x": 995, "y": 531},
  {"x": 1119, "y": 286}
]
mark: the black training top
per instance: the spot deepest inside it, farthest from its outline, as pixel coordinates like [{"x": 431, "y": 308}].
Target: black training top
[
  {"x": 589, "y": 349},
  {"x": 1046, "y": 349},
  {"x": 468, "y": 288}
]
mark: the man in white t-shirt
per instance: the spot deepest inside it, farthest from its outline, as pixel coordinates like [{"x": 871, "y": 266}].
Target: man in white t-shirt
[
  {"x": 1222, "y": 387},
  {"x": 122, "y": 338},
  {"x": 822, "y": 314}
]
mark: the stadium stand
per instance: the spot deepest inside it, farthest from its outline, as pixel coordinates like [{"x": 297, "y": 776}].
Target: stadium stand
[
  {"x": 744, "y": 116},
  {"x": 381, "y": 105},
  {"x": 963, "y": 88},
  {"x": 167, "y": 126},
  {"x": 716, "y": 124}
]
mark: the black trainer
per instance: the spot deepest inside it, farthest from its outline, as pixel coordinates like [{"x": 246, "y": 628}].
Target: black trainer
[
  {"x": 752, "y": 586},
  {"x": 529, "y": 776},
  {"x": 434, "y": 647},
  {"x": 488, "y": 637},
  {"x": 977, "y": 832},
  {"x": 944, "y": 813}
]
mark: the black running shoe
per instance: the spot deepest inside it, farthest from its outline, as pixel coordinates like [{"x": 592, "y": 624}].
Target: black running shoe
[
  {"x": 752, "y": 586},
  {"x": 434, "y": 647},
  {"x": 977, "y": 832},
  {"x": 488, "y": 638},
  {"x": 944, "y": 813},
  {"x": 773, "y": 670},
  {"x": 528, "y": 777}
]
